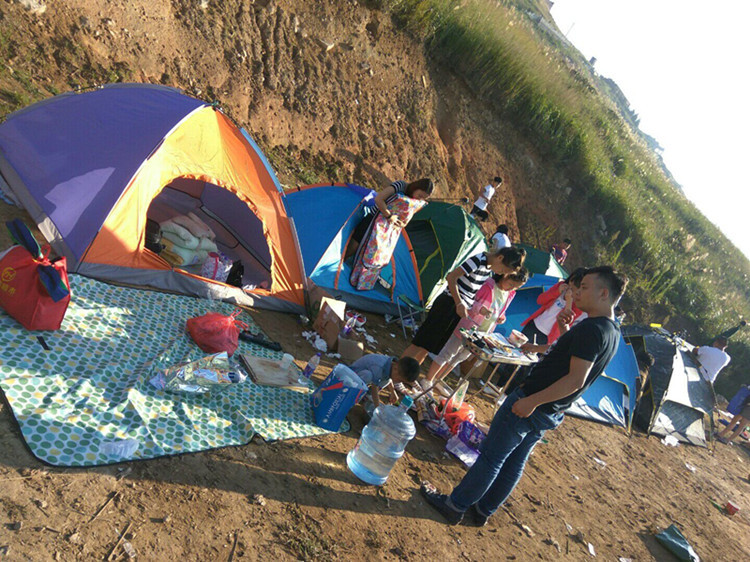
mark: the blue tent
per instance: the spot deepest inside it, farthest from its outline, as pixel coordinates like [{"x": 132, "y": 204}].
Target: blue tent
[
  {"x": 325, "y": 217},
  {"x": 611, "y": 399}
]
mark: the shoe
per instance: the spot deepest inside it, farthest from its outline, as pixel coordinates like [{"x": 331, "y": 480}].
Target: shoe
[
  {"x": 439, "y": 502},
  {"x": 477, "y": 519}
]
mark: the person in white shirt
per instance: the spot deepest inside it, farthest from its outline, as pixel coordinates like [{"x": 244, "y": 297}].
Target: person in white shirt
[
  {"x": 500, "y": 238},
  {"x": 479, "y": 210},
  {"x": 712, "y": 358}
]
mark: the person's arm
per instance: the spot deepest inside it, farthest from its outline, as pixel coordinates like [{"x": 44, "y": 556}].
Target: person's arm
[
  {"x": 452, "y": 278},
  {"x": 567, "y": 385},
  {"x": 393, "y": 397},
  {"x": 375, "y": 394},
  {"x": 534, "y": 348},
  {"x": 380, "y": 199},
  {"x": 550, "y": 295}
]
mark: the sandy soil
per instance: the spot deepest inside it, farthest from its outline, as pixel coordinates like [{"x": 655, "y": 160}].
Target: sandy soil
[
  {"x": 297, "y": 499},
  {"x": 371, "y": 108}
]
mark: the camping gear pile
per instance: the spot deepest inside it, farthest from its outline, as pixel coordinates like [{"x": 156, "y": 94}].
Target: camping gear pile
[{"x": 187, "y": 241}]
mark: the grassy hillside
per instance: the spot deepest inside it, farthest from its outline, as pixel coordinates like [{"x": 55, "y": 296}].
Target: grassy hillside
[{"x": 679, "y": 263}]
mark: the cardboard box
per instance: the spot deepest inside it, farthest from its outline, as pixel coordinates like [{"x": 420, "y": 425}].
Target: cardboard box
[
  {"x": 330, "y": 320},
  {"x": 350, "y": 350}
]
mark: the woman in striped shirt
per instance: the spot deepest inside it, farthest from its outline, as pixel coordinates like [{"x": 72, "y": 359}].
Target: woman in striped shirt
[{"x": 452, "y": 305}]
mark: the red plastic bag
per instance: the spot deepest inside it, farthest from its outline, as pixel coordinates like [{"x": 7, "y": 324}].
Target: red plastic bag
[
  {"x": 214, "y": 332},
  {"x": 455, "y": 418},
  {"x": 22, "y": 293}
]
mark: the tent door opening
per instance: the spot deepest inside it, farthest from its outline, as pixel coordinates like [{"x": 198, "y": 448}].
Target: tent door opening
[{"x": 237, "y": 232}]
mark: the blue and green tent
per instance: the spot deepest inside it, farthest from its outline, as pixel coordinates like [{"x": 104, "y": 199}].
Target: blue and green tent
[{"x": 437, "y": 239}]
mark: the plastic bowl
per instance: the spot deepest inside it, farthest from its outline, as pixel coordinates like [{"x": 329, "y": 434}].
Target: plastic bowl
[{"x": 517, "y": 338}]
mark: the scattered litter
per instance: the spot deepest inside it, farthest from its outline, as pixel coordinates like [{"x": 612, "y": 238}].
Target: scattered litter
[
  {"x": 599, "y": 461},
  {"x": 129, "y": 550},
  {"x": 592, "y": 552},
  {"x": 552, "y": 542},
  {"x": 304, "y": 319},
  {"x": 123, "y": 472},
  {"x": 75, "y": 538},
  {"x": 252, "y": 456},
  {"x": 120, "y": 449},
  {"x": 670, "y": 441},
  {"x": 315, "y": 340},
  {"x": 526, "y": 529},
  {"x": 690, "y": 467},
  {"x": 569, "y": 528},
  {"x": 393, "y": 335},
  {"x": 333, "y": 355},
  {"x": 580, "y": 538},
  {"x": 623, "y": 559},
  {"x": 369, "y": 339},
  {"x": 259, "y": 500},
  {"x": 674, "y": 541},
  {"x": 575, "y": 477}
]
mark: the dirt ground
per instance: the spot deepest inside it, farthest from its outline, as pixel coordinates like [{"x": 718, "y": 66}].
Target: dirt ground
[
  {"x": 371, "y": 108},
  {"x": 297, "y": 499}
]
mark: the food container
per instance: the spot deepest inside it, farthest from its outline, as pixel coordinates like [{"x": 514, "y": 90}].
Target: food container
[
  {"x": 731, "y": 508},
  {"x": 517, "y": 338}
]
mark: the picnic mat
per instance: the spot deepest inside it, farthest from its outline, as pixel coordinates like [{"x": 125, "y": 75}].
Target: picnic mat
[{"x": 86, "y": 401}]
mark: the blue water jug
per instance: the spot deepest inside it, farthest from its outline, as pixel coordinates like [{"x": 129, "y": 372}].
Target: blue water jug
[{"x": 382, "y": 443}]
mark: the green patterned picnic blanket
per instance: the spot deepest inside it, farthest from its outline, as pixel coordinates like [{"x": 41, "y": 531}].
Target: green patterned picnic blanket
[{"x": 87, "y": 400}]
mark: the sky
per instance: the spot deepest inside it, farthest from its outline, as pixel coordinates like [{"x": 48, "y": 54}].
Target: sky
[{"x": 683, "y": 65}]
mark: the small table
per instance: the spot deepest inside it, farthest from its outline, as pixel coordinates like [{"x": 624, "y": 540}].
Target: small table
[{"x": 496, "y": 350}]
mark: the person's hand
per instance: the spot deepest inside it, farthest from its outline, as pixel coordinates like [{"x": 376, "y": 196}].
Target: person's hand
[
  {"x": 484, "y": 311},
  {"x": 501, "y": 320},
  {"x": 529, "y": 348},
  {"x": 524, "y": 407},
  {"x": 396, "y": 221},
  {"x": 461, "y": 310},
  {"x": 565, "y": 318}
]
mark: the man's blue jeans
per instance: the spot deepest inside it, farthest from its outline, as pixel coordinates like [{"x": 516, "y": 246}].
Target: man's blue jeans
[{"x": 504, "y": 453}]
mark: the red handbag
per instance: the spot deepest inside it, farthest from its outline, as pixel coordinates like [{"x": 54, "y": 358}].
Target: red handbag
[{"x": 24, "y": 296}]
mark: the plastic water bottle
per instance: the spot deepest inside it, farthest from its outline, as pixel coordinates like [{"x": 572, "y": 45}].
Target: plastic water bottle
[
  {"x": 312, "y": 364},
  {"x": 348, "y": 328},
  {"x": 382, "y": 443}
]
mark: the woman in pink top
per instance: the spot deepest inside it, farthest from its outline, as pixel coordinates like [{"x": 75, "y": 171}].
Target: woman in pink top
[{"x": 488, "y": 310}]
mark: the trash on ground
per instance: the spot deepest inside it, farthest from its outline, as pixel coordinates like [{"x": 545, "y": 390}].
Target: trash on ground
[
  {"x": 599, "y": 461},
  {"x": 690, "y": 467},
  {"x": 674, "y": 541},
  {"x": 670, "y": 441}
]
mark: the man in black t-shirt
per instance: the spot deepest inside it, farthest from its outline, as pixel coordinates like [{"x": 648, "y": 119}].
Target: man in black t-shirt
[{"x": 575, "y": 361}]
